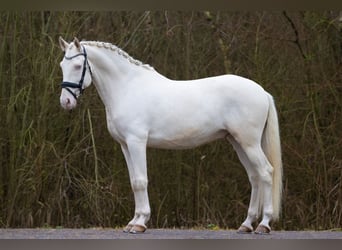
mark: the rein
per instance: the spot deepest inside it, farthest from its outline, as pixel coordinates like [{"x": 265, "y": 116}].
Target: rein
[{"x": 79, "y": 85}]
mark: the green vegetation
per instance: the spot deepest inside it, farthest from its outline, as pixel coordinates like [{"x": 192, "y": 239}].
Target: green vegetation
[{"x": 62, "y": 169}]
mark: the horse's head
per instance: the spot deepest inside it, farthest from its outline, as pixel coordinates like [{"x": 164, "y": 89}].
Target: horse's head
[{"x": 76, "y": 72}]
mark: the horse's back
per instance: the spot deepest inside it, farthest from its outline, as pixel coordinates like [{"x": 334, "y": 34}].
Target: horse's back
[{"x": 214, "y": 96}]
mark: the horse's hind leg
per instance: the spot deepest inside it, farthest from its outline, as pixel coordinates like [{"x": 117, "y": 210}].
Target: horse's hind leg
[
  {"x": 253, "y": 210},
  {"x": 264, "y": 171}
]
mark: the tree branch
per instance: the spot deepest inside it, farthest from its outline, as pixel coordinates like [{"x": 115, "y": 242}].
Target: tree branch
[{"x": 296, "y": 41}]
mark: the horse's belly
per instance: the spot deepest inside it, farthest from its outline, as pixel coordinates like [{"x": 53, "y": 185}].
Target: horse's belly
[{"x": 185, "y": 139}]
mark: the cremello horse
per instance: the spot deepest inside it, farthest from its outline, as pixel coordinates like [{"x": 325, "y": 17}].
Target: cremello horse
[{"x": 146, "y": 109}]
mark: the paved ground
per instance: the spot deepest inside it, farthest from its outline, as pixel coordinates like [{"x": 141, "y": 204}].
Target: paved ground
[{"x": 99, "y": 233}]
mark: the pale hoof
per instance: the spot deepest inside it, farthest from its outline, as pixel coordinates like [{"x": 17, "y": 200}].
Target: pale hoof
[
  {"x": 128, "y": 228},
  {"x": 244, "y": 230},
  {"x": 137, "y": 229},
  {"x": 261, "y": 229}
]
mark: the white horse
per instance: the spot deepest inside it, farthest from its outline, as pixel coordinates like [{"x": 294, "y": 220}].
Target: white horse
[{"x": 146, "y": 109}]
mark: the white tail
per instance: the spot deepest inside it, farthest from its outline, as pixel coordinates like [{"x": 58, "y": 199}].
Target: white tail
[{"x": 272, "y": 150}]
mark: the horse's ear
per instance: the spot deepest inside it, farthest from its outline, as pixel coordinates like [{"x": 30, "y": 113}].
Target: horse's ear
[
  {"x": 63, "y": 44},
  {"x": 77, "y": 43}
]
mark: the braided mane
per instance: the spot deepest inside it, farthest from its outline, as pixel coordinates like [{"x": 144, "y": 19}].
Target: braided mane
[{"x": 119, "y": 51}]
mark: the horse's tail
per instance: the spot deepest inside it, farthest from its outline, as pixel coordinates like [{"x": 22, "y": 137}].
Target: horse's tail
[{"x": 272, "y": 149}]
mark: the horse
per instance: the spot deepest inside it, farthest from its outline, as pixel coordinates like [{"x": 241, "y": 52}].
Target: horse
[{"x": 146, "y": 109}]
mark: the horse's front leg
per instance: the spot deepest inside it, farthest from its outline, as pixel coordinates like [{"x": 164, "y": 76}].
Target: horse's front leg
[{"x": 135, "y": 155}]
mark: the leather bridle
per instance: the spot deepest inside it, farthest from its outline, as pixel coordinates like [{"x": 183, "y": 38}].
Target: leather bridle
[{"x": 79, "y": 85}]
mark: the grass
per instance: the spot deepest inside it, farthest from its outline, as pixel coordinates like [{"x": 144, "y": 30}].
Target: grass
[{"x": 62, "y": 169}]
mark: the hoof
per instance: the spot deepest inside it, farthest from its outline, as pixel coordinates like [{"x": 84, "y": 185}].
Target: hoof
[
  {"x": 137, "y": 229},
  {"x": 244, "y": 230},
  {"x": 261, "y": 229},
  {"x": 128, "y": 228}
]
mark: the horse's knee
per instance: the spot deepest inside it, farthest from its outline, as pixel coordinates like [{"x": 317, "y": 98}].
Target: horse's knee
[{"x": 139, "y": 184}]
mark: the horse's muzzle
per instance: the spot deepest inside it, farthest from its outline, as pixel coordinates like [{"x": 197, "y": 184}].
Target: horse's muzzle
[{"x": 67, "y": 101}]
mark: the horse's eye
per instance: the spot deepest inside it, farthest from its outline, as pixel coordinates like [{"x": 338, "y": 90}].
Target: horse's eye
[{"x": 77, "y": 66}]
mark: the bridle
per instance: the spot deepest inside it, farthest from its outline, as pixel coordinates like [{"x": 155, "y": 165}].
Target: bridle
[{"x": 79, "y": 85}]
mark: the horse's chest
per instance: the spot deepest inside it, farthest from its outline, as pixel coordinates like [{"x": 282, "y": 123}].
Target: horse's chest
[
  {"x": 115, "y": 127},
  {"x": 122, "y": 125}
]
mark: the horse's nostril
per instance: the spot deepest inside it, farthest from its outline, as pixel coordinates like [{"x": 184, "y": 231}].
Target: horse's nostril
[{"x": 67, "y": 101}]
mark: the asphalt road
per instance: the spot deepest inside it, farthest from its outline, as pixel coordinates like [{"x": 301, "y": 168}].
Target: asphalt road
[{"x": 100, "y": 233}]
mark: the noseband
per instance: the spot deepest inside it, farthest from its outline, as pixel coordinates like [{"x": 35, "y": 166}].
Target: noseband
[{"x": 79, "y": 85}]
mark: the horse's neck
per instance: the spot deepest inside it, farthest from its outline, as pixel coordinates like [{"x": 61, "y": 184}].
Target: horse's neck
[
  {"x": 107, "y": 62},
  {"x": 111, "y": 73}
]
